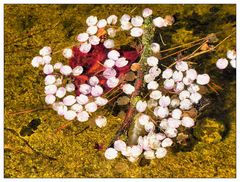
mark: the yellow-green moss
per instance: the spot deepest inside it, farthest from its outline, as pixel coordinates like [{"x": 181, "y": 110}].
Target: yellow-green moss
[{"x": 71, "y": 152}]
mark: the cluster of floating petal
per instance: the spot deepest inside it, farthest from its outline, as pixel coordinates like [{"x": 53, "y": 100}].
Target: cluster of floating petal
[
  {"x": 222, "y": 63},
  {"x": 167, "y": 112},
  {"x": 95, "y": 67}
]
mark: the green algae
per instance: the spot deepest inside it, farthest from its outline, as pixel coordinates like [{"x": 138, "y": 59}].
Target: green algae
[{"x": 71, "y": 152}]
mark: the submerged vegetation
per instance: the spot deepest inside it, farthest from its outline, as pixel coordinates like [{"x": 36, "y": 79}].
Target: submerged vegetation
[{"x": 39, "y": 143}]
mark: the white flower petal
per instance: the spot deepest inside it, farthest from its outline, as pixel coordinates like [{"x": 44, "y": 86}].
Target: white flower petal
[{"x": 101, "y": 121}]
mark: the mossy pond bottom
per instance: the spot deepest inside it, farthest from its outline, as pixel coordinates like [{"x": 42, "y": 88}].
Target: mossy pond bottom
[{"x": 34, "y": 148}]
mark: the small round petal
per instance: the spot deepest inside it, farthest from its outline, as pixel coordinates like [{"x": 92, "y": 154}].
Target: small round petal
[
  {"x": 61, "y": 92},
  {"x": 78, "y": 70},
  {"x": 50, "y": 79},
  {"x": 92, "y": 30},
  {"x": 85, "y": 89},
  {"x": 70, "y": 115},
  {"x": 149, "y": 154},
  {"x": 70, "y": 87},
  {"x": 195, "y": 97},
  {"x": 82, "y": 37},
  {"x": 45, "y": 51},
  {"x": 112, "y": 82},
  {"x": 171, "y": 132},
  {"x": 162, "y": 112},
  {"x": 96, "y": 91},
  {"x": 82, "y": 116},
  {"x": 36, "y": 61},
  {"x": 67, "y": 53},
  {"x": 50, "y": 99},
  {"x": 156, "y": 94},
  {"x": 173, "y": 123},
  {"x": 187, "y": 81},
  {"x": 110, "y": 153},
  {"x": 125, "y": 18},
  {"x": 82, "y": 99},
  {"x": 152, "y": 85},
  {"x": 101, "y": 121},
  {"x": 137, "y": 21},
  {"x": 109, "y": 43},
  {"x": 101, "y": 23},
  {"x": 93, "y": 80},
  {"x": 58, "y": 81},
  {"x": 155, "y": 47},
  {"x": 112, "y": 19},
  {"x": 126, "y": 26},
  {"x": 69, "y": 100},
  {"x": 136, "y": 151},
  {"x": 143, "y": 119},
  {"x": 203, "y": 79},
  {"x": 62, "y": 109},
  {"x": 77, "y": 107},
  {"x": 164, "y": 124},
  {"x": 109, "y": 63},
  {"x": 47, "y": 59},
  {"x": 233, "y": 63},
  {"x": 109, "y": 73},
  {"x": 176, "y": 114},
  {"x": 50, "y": 89},
  {"x": 160, "y": 136},
  {"x": 91, "y": 20},
  {"x": 147, "y": 12},
  {"x": 185, "y": 104},
  {"x": 187, "y": 122},
  {"x": 175, "y": 103},
  {"x": 231, "y": 54},
  {"x": 159, "y": 22},
  {"x": 141, "y": 106},
  {"x": 177, "y": 76},
  {"x": 57, "y": 66},
  {"x": 167, "y": 142},
  {"x": 85, "y": 47},
  {"x": 149, "y": 127},
  {"x": 179, "y": 87},
  {"x": 114, "y": 55},
  {"x": 181, "y": 66},
  {"x": 191, "y": 74},
  {"x": 121, "y": 62},
  {"x": 101, "y": 101},
  {"x": 136, "y": 32},
  {"x": 152, "y": 61},
  {"x": 91, "y": 107},
  {"x": 222, "y": 63},
  {"x": 184, "y": 95},
  {"x": 168, "y": 84},
  {"x": 120, "y": 145},
  {"x": 148, "y": 78},
  {"x": 161, "y": 152},
  {"x": 94, "y": 40},
  {"x": 154, "y": 71},
  {"x": 167, "y": 73},
  {"x": 128, "y": 89},
  {"x": 193, "y": 88},
  {"x": 164, "y": 101},
  {"x": 111, "y": 32},
  {"x": 66, "y": 70},
  {"x": 48, "y": 69}
]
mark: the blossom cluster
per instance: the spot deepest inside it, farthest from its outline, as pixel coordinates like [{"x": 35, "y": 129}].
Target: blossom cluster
[
  {"x": 75, "y": 90},
  {"x": 163, "y": 112}
]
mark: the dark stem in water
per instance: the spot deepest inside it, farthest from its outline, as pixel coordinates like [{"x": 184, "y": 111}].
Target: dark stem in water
[{"x": 146, "y": 41}]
